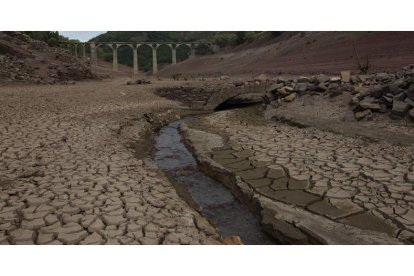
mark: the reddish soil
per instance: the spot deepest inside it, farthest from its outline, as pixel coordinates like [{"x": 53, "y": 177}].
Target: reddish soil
[{"x": 307, "y": 53}]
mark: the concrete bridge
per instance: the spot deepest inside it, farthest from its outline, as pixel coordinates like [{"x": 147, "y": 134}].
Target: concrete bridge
[
  {"x": 228, "y": 93},
  {"x": 93, "y": 46}
]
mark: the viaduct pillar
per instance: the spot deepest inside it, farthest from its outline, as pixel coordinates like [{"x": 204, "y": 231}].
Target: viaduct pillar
[
  {"x": 84, "y": 52},
  {"x": 174, "y": 55},
  {"x": 94, "y": 55},
  {"x": 154, "y": 60},
  {"x": 115, "y": 57},
  {"x": 135, "y": 51}
]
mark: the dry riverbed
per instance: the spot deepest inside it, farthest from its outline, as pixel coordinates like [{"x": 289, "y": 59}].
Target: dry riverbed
[
  {"x": 70, "y": 175},
  {"x": 76, "y": 167}
]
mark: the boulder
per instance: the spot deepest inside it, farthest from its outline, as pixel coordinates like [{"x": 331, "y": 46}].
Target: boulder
[
  {"x": 261, "y": 78},
  {"x": 411, "y": 113},
  {"x": 370, "y": 103},
  {"x": 301, "y": 88},
  {"x": 354, "y": 80},
  {"x": 290, "y": 98},
  {"x": 224, "y": 77},
  {"x": 399, "y": 109},
  {"x": 363, "y": 114},
  {"x": 387, "y": 100},
  {"x": 289, "y": 89},
  {"x": 321, "y": 87},
  {"x": 383, "y": 108},
  {"x": 281, "y": 80},
  {"x": 313, "y": 80},
  {"x": 303, "y": 79},
  {"x": 354, "y": 100},
  {"x": 311, "y": 86},
  {"x": 409, "y": 102},
  {"x": 376, "y": 91},
  {"x": 393, "y": 88},
  {"x": 282, "y": 91},
  {"x": 346, "y": 76},
  {"x": 400, "y": 97},
  {"x": 322, "y": 78},
  {"x": 362, "y": 91},
  {"x": 268, "y": 98},
  {"x": 384, "y": 77},
  {"x": 334, "y": 91},
  {"x": 238, "y": 83},
  {"x": 274, "y": 87},
  {"x": 410, "y": 92}
]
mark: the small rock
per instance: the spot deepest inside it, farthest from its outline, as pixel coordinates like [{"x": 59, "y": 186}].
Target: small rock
[
  {"x": 362, "y": 114},
  {"x": 335, "y": 79},
  {"x": 238, "y": 83},
  {"x": 399, "y": 109},
  {"x": 290, "y": 98},
  {"x": 261, "y": 78},
  {"x": 303, "y": 79},
  {"x": 370, "y": 103}
]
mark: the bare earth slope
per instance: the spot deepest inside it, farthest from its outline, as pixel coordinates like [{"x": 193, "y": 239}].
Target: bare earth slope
[
  {"x": 23, "y": 59},
  {"x": 307, "y": 53}
]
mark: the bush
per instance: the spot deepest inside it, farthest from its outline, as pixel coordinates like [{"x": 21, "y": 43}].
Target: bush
[
  {"x": 250, "y": 36},
  {"x": 225, "y": 39}
]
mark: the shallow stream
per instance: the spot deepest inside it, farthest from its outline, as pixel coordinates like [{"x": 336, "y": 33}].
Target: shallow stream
[{"x": 215, "y": 201}]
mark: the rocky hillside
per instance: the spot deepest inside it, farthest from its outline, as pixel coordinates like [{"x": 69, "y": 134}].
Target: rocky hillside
[{"x": 24, "y": 60}]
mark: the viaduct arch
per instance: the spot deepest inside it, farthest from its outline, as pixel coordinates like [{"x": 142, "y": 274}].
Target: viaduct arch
[{"x": 93, "y": 46}]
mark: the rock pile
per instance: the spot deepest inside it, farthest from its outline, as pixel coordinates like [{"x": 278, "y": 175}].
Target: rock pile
[
  {"x": 286, "y": 90},
  {"x": 385, "y": 93},
  {"x": 381, "y": 92},
  {"x": 23, "y": 59},
  {"x": 138, "y": 82}
]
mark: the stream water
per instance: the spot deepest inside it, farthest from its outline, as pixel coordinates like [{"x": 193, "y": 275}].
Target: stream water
[{"x": 215, "y": 201}]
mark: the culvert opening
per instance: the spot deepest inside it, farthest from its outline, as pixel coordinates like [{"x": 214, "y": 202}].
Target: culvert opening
[{"x": 237, "y": 103}]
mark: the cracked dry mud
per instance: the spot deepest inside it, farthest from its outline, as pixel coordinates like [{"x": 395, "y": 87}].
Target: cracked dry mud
[
  {"x": 343, "y": 179},
  {"x": 68, "y": 177}
]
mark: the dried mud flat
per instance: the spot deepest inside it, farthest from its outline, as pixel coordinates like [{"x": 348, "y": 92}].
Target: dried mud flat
[
  {"x": 69, "y": 175},
  {"x": 310, "y": 185},
  {"x": 75, "y": 168}
]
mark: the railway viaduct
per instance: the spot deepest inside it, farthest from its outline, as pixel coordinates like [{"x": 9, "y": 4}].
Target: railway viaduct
[{"x": 93, "y": 46}]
